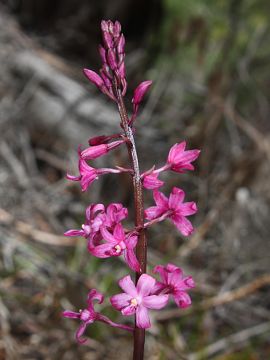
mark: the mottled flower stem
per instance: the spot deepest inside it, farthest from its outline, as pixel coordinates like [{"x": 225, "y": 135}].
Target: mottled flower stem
[{"x": 141, "y": 249}]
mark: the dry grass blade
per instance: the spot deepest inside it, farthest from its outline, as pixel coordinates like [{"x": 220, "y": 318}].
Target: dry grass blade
[{"x": 222, "y": 299}]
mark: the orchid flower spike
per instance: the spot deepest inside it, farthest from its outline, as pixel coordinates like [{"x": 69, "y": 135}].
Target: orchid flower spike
[{"x": 88, "y": 174}]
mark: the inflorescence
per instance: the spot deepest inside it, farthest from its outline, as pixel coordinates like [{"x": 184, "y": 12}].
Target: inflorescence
[{"x": 103, "y": 228}]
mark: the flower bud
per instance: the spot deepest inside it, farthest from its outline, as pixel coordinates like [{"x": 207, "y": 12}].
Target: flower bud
[
  {"x": 151, "y": 182},
  {"x": 110, "y": 26},
  {"x": 104, "y": 25},
  {"x": 117, "y": 28},
  {"x": 107, "y": 39},
  {"x": 112, "y": 59},
  {"x": 106, "y": 79},
  {"x": 98, "y": 140},
  {"x": 121, "y": 44},
  {"x": 122, "y": 70},
  {"x": 140, "y": 91},
  {"x": 102, "y": 53},
  {"x": 94, "y": 78},
  {"x": 94, "y": 152}
]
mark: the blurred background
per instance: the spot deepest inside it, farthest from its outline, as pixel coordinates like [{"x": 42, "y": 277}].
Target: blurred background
[{"x": 209, "y": 62}]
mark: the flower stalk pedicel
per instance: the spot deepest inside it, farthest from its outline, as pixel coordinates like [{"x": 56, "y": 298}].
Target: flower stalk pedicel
[{"x": 103, "y": 229}]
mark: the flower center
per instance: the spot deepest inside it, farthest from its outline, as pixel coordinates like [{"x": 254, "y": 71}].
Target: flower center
[
  {"x": 118, "y": 248},
  {"x": 85, "y": 315},
  {"x": 134, "y": 302}
]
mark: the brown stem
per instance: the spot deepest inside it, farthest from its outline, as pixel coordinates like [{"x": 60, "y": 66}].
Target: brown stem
[{"x": 141, "y": 249}]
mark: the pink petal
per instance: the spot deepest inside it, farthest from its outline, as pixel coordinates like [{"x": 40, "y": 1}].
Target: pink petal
[
  {"x": 142, "y": 318},
  {"x": 188, "y": 208},
  {"x": 145, "y": 284},
  {"x": 189, "y": 282},
  {"x": 155, "y": 301},
  {"x": 151, "y": 182},
  {"x": 73, "y": 178},
  {"x": 91, "y": 210},
  {"x": 71, "y": 314},
  {"x": 171, "y": 268},
  {"x": 108, "y": 236},
  {"x": 129, "y": 310},
  {"x": 153, "y": 212},
  {"x": 101, "y": 251},
  {"x": 176, "y": 198},
  {"x": 127, "y": 285},
  {"x": 120, "y": 301},
  {"x": 161, "y": 200},
  {"x": 95, "y": 295},
  {"x": 80, "y": 332},
  {"x": 182, "y": 299},
  {"x": 182, "y": 224},
  {"x": 74, "y": 233},
  {"x": 162, "y": 272},
  {"x": 118, "y": 232},
  {"x": 131, "y": 260},
  {"x": 131, "y": 241},
  {"x": 187, "y": 157},
  {"x": 159, "y": 286},
  {"x": 176, "y": 149},
  {"x": 116, "y": 213}
]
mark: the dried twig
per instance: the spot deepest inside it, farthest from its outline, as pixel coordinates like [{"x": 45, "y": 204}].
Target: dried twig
[
  {"x": 35, "y": 234},
  {"x": 231, "y": 342}
]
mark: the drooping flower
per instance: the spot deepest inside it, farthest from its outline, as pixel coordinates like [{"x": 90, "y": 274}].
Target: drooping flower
[
  {"x": 173, "y": 282},
  {"x": 89, "y": 316},
  {"x": 138, "y": 299},
  {"x": 180, "y": 159},
  {"x": 150, "y": 180},
  {"x": 116, "y": 244},
  {"x": 172, "y": 208},
  {"x": 88, "y": 174},
  {"x": 94, "y": 218}
]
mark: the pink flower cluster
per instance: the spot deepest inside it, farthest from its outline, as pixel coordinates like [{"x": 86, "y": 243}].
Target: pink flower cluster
[{"x": 103, "y": 229}]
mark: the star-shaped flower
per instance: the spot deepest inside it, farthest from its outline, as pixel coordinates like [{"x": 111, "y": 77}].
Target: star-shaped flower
[{"x": 173, "y": 208}]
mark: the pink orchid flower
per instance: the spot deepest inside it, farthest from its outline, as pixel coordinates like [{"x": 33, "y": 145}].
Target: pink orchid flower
[
  {"x": 117, "y": 244},
  {"x": 138, "y": 299},
  {"x": 172, "y": 208},
  {"x": 88, "y": 174},
  {"x": 173, "y": 282},
  {"x": 150, "y": 180},
  {"x": 96, "y": 216},
  {"x": 180, "y": 160},
  {"x": 89, "y": 316}
]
